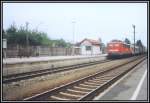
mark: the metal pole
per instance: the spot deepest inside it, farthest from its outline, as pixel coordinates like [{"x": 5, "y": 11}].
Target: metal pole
[
  {"x": 73, "y": 37},
  {"x": 38, "y": 25},
  {"x": 27, "y": 38},
  {"x": 134, "y": 37}
]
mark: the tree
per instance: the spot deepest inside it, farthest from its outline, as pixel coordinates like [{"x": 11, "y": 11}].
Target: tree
[
  {"x": 60, "y": 43},
  {"x": 4, "y": 34},
  {"x": 139, "y": 43},
  {"x": 18, "y": 36},
  {"x": 11, "y": 34},
  {"x": 127, "y": 41},
  {"x": 69, "y": 45}
]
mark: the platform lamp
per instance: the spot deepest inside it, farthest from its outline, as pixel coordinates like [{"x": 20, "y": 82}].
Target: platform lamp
[
  {"x": 73, "y": 22},
  {"x": 134, "y": 36}
]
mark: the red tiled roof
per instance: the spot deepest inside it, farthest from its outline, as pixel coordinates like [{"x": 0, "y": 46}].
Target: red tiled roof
[{"x": 93, "y": 42}]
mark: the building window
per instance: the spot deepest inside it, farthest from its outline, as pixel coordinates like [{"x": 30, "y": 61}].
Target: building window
[{"x": 88, "y": 48}]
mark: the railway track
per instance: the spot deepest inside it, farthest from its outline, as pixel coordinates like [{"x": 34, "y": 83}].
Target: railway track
[
  {"x": 88, "y": 87},
  {"x": 28, "y": 75}
]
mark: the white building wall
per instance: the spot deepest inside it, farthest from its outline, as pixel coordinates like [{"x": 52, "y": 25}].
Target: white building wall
[
  {"x": 83, "y": 48},
  {"x": 95, "y": 50},
  {"x": 84, "y": 51}
]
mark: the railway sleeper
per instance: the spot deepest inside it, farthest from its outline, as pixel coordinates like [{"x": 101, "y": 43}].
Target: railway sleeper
[
  {"x": 104, "y": 79},
  {"x": 88, "y": 86},
  {"x": 110, "y": 76},
  {"x": 97, "y": 82},
  {"x": 70, "y": 95},
  {"x": 76, "y": 91},
  {"x": 94, "y": 81},
  {"x": 83, "y": 88},
  {"x": 58, "y": 98},
  {"x": 90, "y": 83},
  {"x": 63, "y": 96}
]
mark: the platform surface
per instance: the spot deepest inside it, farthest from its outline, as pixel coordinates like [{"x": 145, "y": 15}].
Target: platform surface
[
  {"x": 129, "y": 88},
  {"x": 46, "y": 58}
]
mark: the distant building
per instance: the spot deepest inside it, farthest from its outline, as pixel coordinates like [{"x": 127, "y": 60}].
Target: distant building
[
  {"x": 90, "y": 47},
  {"x": 4, "y": 47}
]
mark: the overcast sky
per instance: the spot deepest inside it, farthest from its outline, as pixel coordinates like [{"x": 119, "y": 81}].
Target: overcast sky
[{"x": 92, "y": 20}]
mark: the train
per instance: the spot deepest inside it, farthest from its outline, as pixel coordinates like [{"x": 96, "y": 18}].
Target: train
[{"x": 118, "y": 48}]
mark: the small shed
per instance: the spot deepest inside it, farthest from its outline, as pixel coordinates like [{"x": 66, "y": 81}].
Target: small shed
[
  {"x": 4, "y": 47},
  {"x": 90, "y": 47}
]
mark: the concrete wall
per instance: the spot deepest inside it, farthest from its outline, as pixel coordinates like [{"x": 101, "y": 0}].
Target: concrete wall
[{"x": 18, "y": 51}]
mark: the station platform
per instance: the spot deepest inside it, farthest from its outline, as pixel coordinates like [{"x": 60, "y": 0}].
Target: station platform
[
  {"x": 46, "y": 58},
  {"x": 23, "y": 65},
  {"x": 133, "y": 86}
]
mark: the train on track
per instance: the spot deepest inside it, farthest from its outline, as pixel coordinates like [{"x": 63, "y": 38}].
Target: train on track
[{"x": 118, "y": 48}]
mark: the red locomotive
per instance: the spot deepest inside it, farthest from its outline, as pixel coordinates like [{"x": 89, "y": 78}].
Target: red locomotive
[{"x": 117, "y": 48}]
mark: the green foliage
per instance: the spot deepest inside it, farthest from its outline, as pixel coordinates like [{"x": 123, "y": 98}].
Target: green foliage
[
  {"x": 69, "y": 45},
  {"x": 4, "y": 34},
  {"x": 127, "y": 41},
  {"x": 139, "y": 43},
  {"x": 12, "y": 35},
  {"x": 60, "y": 43},
  {"x": 21, "y": 35}
]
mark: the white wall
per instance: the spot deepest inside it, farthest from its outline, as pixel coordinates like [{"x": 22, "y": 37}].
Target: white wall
[
  {"x": 83, "y": 48},
  {"x": 94, "y": 49}
]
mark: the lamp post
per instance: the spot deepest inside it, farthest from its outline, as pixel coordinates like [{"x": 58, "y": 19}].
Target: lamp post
[
  {"x": 38, "y": 25},
  {"x": 73, "y": 49},
  {"x": 134, "y": 36},
  {"x": 27, "y": 39}
]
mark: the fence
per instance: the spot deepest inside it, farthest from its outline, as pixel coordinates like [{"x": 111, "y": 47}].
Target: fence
[{"x": 19, "y": 51}]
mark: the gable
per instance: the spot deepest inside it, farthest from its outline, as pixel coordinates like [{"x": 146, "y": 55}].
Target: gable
[
  {"x": 89, "y": 42},
  {"x": 86, "y": 43}
]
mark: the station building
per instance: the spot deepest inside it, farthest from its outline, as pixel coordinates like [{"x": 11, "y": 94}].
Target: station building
[{"x": 90, "y": 47}]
